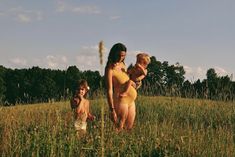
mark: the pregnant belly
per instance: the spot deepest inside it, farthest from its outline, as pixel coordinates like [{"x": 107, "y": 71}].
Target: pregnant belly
[{"x": 130, "y": 97}]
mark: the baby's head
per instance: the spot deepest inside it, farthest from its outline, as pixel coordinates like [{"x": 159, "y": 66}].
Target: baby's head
[
  {"x": 82, "y": 87},
  {"x": 143, "y": 59}
]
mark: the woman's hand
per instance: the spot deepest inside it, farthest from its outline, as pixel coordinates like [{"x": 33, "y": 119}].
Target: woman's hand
[{"x": 113, "y": 116}]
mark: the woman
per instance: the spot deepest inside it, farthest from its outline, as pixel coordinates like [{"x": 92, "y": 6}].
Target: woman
[{"x": 122, "y": 108}]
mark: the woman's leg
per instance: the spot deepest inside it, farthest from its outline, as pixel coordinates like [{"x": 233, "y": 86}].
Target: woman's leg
[
  {"x": 122, "y": 115},
  {"x": 130, "y": 116}
]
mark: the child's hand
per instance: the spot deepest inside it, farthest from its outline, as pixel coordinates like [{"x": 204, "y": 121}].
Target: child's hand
[
  {"x": 73, "y": 104},
  {"x": 77, "y": 100},
  {"x": 91, "y": 117},
  {"x": 80, "y": 97}
]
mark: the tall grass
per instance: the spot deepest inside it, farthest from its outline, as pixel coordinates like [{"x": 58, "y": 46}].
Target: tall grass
[{"x": 164, "y": 126}]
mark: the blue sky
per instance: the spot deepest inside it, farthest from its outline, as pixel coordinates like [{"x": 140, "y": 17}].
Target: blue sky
[{"x": 199, "y": 34}]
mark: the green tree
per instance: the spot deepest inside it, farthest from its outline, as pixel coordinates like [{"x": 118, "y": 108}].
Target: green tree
[
  {"x": 212, "y": 79},
  {"x": 93, "y": 78},
  {"x": 73, "y": 74},
  {"x": 225, "y": 88},
  {"x": 173, "y": 78},
  {"x": 2, "y": 84},
  {"x": 153, "y": 84},
  {"x": 187, "y": 90},
  {"x": 14, "y": 83}
]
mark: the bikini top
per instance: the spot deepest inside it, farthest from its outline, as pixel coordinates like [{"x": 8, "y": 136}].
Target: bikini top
[{"x": 120, "y": 76}]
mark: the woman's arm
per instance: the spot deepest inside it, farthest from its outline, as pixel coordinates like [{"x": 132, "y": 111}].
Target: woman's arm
[{"x": 109, "y": 82}]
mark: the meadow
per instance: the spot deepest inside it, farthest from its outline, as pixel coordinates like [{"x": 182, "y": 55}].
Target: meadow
[{"x": 164, "y": 126}]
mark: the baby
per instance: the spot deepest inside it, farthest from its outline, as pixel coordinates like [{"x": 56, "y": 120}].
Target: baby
[
  {"x": 137, "y": 73},
  {"x": 81, "y": 107}
]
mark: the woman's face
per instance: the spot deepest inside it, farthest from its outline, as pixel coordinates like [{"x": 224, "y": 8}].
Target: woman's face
[{"x": 122, "y": 56}]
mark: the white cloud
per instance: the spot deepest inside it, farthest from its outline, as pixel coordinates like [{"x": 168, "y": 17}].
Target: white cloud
[
  {"x": 60, "y": 7},
  {"x": 194, "y": 73},
  {"x": 188, "y": 69},
  {"x": 23, "y": 15},
  {"x": 88, "y": 58},
  {"x": 18, "y": 62},
  {"x": 87, "y": 62},
  {"x": 115, "y": 17},
  {"x": 89, "y": 50},
  {"x": 200, "y": 71},
  {"x": 220, "y": 71},
  {"x": 23, "y": 18},
  {"x": 56, "y": 62},
  {"x": 85, "y": 9}
]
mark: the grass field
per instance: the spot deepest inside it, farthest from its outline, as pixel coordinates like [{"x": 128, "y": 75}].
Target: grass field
[{"x": 164, "y": 126}]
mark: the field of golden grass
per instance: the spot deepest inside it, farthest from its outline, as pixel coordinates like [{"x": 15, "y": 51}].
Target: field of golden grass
[{"x": 164, "y": 126}]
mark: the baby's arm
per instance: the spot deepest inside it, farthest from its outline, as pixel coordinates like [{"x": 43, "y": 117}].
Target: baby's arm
[
  {"x": 142, "y": 69},
  {"x": 143, "y": 73},
  {"x": 141, "y": 77}
]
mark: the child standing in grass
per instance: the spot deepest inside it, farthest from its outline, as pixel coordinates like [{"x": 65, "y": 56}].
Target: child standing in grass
[
  {"x": 137, "y": 73},
  {"x": 81, "y": 107}
]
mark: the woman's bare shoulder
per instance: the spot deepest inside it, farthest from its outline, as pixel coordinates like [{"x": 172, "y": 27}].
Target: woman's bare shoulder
[{"x": 109, "y": 70}]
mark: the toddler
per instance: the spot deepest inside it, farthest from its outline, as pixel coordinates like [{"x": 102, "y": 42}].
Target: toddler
[
  {"x": 138, "y": 72},
  {"x": 81, "y": 107}
]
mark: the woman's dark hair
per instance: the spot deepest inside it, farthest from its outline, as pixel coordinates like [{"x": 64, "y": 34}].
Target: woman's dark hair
[
  {"x": 114, "y": 56},
  {"x": 115, "y": 53}
]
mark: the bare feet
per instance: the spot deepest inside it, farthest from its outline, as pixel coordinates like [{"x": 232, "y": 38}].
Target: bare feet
[{"x": 118, "y": 130}]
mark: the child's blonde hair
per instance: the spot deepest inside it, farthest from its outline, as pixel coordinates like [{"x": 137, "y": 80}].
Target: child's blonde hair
[{"x": 143, "y": 57}]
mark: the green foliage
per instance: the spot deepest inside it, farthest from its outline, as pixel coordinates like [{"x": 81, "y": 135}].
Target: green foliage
[
  {"x": 34, "y": 85},
  {"x": 2, "y": 84}
]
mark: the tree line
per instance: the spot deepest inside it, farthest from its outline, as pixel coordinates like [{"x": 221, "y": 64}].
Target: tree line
[{"x": 36, "y": 85}]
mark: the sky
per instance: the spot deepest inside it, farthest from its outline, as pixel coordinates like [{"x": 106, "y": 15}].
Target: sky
[{"x": 56, "y": 34}]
